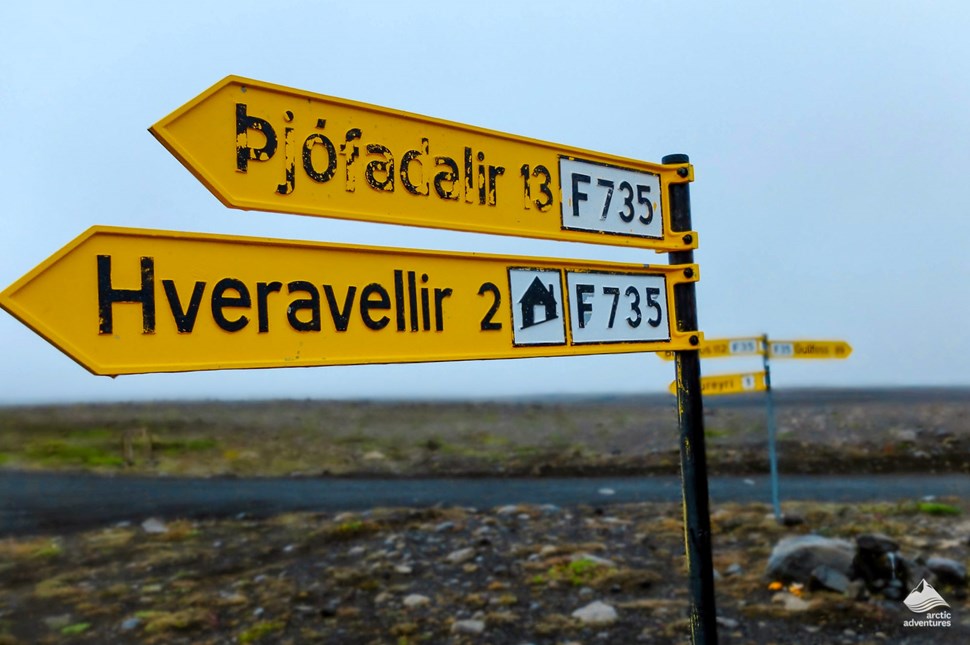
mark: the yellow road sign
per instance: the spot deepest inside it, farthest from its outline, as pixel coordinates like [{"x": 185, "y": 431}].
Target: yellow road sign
[
  {"x": 129, "y": 301},
  {"x": 724, "y": 347},
  {"x": 729, "y": 384},
  {"x": 265, "y": 147},
  {"x": 809, "y": 349}
]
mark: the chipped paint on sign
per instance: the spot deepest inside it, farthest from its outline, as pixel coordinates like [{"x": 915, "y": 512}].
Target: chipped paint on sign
[{"x": 265, "y": 147}]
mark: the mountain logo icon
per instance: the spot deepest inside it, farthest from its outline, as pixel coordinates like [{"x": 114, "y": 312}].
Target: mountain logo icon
[{"x": 923, "y": 598}]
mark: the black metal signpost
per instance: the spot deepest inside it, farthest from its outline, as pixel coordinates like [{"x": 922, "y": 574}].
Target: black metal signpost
[{"x": 693, "y": 457}]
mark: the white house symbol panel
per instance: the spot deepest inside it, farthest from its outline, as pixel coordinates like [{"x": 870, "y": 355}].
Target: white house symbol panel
[{"x": 537, "y": 307}]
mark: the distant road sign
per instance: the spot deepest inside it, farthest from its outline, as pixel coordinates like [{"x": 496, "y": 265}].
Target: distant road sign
[
  {"x": 729, "y": 384},
  {"x": 723, "y": 347},
  {"x": 265, "y": 147},
  {"x": 809, "y": 349},
  {"x": 128, "y": 301}
]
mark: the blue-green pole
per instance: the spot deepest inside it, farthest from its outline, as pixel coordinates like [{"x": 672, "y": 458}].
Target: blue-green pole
[{"x": 772, "y": 428}]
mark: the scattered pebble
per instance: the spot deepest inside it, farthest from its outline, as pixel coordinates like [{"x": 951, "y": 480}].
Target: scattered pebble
[
  {"x": 129, "y": 624},
  {"x": 414, "y": 600},
  {"x": 790, "y": 601},
  {"x": 596, "y": 613},
  {"x": 595, "y": 559},
  {"x": 154, "y": 526},
  {"x": 58, "y": 622},
  {"x": 468, "y": 627},
  {"x": 728, "y": 623},
  {"x": 461, "y": 555},
  {"x": 733, "y": 570}
]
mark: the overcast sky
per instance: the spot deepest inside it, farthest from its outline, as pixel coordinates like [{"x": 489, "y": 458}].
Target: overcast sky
[{"x": 830, "y": 141}]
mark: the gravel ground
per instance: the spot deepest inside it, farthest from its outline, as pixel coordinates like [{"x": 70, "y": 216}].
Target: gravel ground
[{"x": 509, "y": 575}]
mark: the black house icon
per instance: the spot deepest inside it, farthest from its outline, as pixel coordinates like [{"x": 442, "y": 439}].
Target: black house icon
[{"x": 538, "y": 296}]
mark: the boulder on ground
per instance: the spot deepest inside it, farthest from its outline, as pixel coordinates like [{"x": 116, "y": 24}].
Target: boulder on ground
[{"x": 795, "y": 558}]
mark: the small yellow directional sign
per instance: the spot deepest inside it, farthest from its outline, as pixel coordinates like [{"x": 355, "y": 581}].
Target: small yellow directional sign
[
  {"x": 265, "y": 147},
  {"x": 129, "y": 301},
  {"x": 729, "y": 384},
  {"x": 809, "y": 349},
  {"x": 724, "y": 347}
]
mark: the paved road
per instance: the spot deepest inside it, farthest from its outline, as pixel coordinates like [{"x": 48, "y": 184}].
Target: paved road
[{"x": 34, "y": 502}]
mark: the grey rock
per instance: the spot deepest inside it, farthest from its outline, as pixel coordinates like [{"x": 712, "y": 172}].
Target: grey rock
[
  {"x": 461, "y": 555},
  {"x": 905, "y": 435},
  {"x": 856, "y": 590},
  {"x": 58, "y": 622},
  {"x": 876, "y": 543},
  {"x": 878, "y": 562},
  {"x": 794, "y": 558},
  {"x": 414, "y": 600},
  {"x": 791, "y": 519},
  {"x": 595, "y": 559},
  {"x": 154, "y": 526},
  {"x": 129, "y": 624},
  {"x": 828, "y": 578},
  {"x": 948, "y": 571},
  {"x": 894, "y": 590},
  {"x": 733, "y": 570},
  {"x": 791, "y": 601},
  {"x": 596, "y": 613},
  {"x": 728, "y": 623},
  {"x": 329, "y": 610},
  {"x": 468, "y": 627}
]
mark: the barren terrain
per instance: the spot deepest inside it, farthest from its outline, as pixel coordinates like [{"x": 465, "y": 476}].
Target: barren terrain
[
  {"x": 508, "y": 575},
  {"x": 865, "y": 431}
]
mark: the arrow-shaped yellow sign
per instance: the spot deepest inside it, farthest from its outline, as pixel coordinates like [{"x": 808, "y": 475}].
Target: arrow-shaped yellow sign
[
  {"x": 128, "y": 301},
  {"x": 729, "y": 384},
  {"x": 265, "y": 147},
  {"x": 732, "y": 347},
  {"x": 809, "y": 349},
  {"x": 724, "y": 347}
]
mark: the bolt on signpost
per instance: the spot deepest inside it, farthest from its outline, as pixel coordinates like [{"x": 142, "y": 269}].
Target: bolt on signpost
[{"x": 129, "y": 301}]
